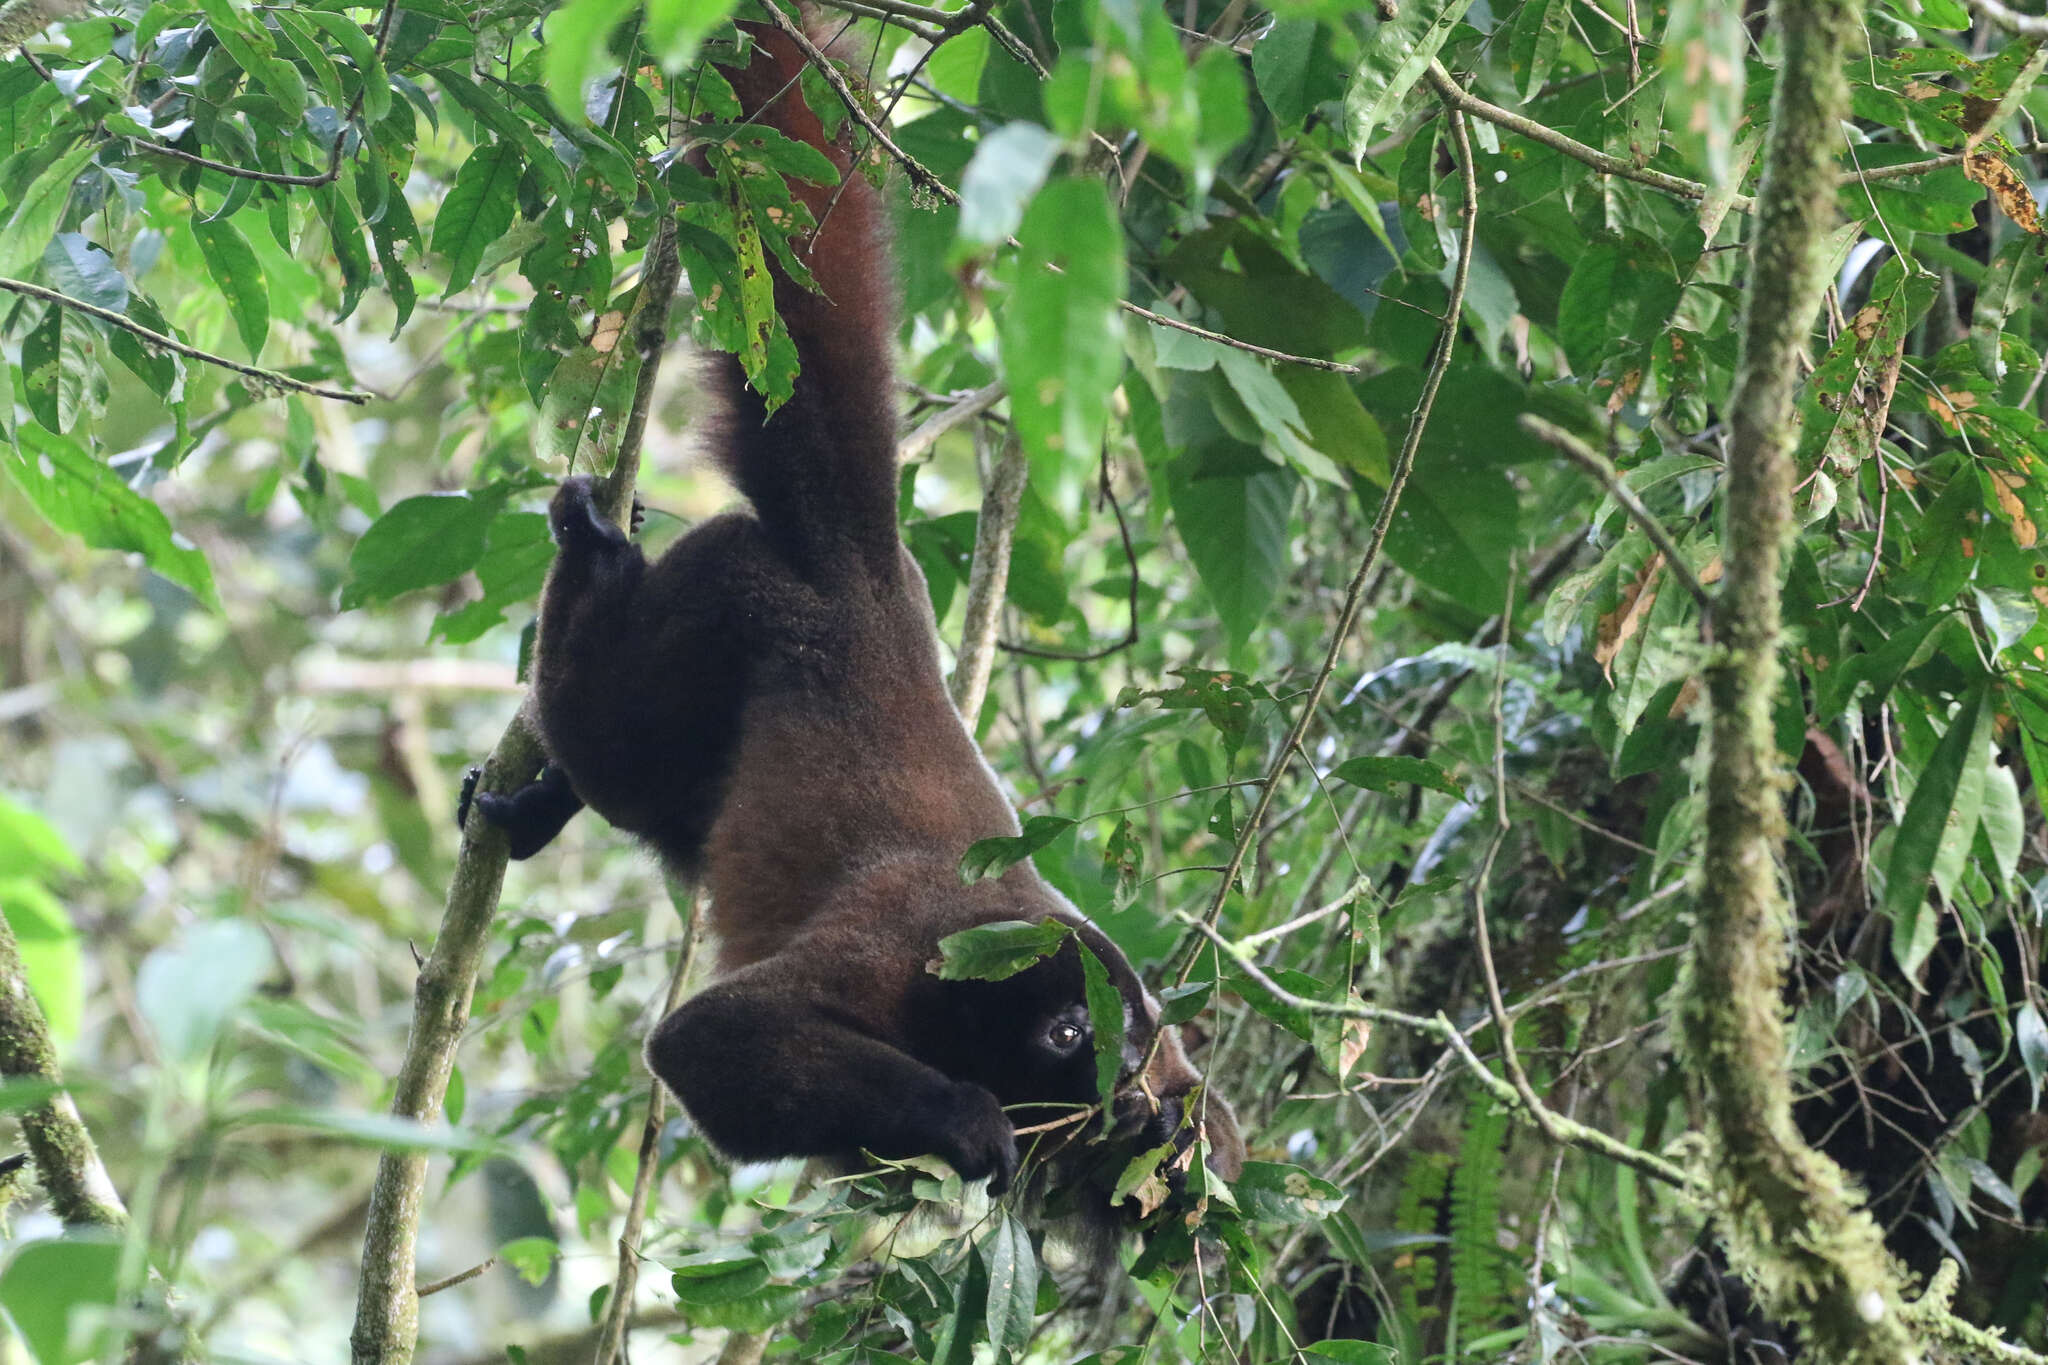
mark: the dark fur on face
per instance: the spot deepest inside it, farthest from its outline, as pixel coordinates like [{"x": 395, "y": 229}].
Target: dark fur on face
[{"x": 763, "y": 705}]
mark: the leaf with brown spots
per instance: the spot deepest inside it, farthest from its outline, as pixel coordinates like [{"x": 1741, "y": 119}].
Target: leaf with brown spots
[
  {"x": 2008, "y": 191},
  {"x": 1616, "y": 626}
]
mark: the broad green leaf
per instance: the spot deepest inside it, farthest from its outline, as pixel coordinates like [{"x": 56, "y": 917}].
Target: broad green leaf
[
  {"x": 1396, "y": 56},
  {"x": 1235, "y": 529},
  {"x": 362, "y": 52},
  {"x": 189, "y": 988},
  {"x": 1381, "y": 773},
  {"x": 1355, "y": 1352},
  {"x": 77, "y": 266},
  {"x": 1704, "y": 58},
  {"x": 1059, "y": 333},
  {"x": 57, "y": 365},
  {"x": 46, "y": 1285},
  {"x": 2010, "y": 282},
  {"x": 50, "y": 952},
  {"x": 676, "y": 27},
  {"x": 577, "y": 47},
  {"x": 1935, "y": 831},
  {"x": 80, "y": 495},
  {"x": 987, "y": 858},
  {"x": 420, "y": 542},
  {"x": 479, "y": 207},
  {"x": 235, "y": 270},
  {"x": 1270, "y": 1192},
  {"x": 30, "y": 845},
  {"x": 1007, "y": 170},
  {"x": 1012, "y": 1282},
  {"x": 1179, "y": 1004},
  {"x": 40, "y": 211},
  {"x": 758, "y": 319},
  {"x": 532, "y": 1257},
  {"x": 992, "y": 952},
  {"x": 721, "y": 1280},
  {"x": 1280, "y": 67},
  {"x": 2030, "y": 1034},
  {"x": 249, "y": 43},
  {"x": 585, "y": 406},
  {"x": 1533, "y": 44}
]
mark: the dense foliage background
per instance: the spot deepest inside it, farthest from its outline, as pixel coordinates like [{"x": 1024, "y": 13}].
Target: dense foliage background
[{"x": 266, "y": 592}]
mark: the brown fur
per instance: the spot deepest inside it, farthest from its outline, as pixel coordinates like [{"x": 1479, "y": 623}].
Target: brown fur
[{"x": 764, "y": 705}]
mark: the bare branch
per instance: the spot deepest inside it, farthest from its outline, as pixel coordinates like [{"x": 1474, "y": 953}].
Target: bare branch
[
  {"x": 270, "y": 378},
  {"x": 987, "y": 578}
]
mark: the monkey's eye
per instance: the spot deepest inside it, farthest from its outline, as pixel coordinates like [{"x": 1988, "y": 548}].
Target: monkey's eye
[{"x": 1064, "y": 1036}]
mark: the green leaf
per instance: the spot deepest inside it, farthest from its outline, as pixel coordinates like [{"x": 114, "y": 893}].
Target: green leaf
[
  {"x": 1704, "y": 59},
  {"x": 80, "y": 267},
  {"x": 250, "y": 45},
  {"x": 1354, "y": 1352},
  {"x": 1380, "y": 774},
  {"x": 478, "y": 208},
  {"x": 362, "y": 53},
  {"x": 30, "y": 845},
  {"x": 1280, "y": 68},
  {"x": 1106, "y": 1016},
  {"x": 40, "y": 211},
  {"x": 1179, "y": 1004},
  {"x": 987, "y": 858},
  {"x": 421, "y": 542},
  {"x": 80, "y": 495},
  {"x": 47, "y": 1282},
  {"x": 1533, "y": 44},
  {"x": 51, "y": 955},
  {"x": 1007, "y": 170},
  {"x": 2031, "y": 1036},
  {"x": 1940, "y": 816},
  {"x": 676, "y": 27},
  {"x": 1235, "y": 529},
  {"x": 576, "y": 47},
  {"x": 1396, "y": 56},
  {"x": 234, "y": 268},
  {"x": 715, "y": 1281},
  {"x": 1012, "y": 1282},
  {"x": 189, "y": 988},
  {"x": 1271, "y": 1192},
  {"x": 993, "y": 952},
  {"x": 1059, "y": 334},
  {"x": 2009, "y": 285},
  {"x": 584, "y": 409},
  {"x": 56, "y": 365},
  {"x": 532, "y": 1257}
]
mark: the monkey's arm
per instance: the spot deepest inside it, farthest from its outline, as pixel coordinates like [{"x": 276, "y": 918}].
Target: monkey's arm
[
  {"x": 766, "y": 1073},
  {"x": 531, "y": 817}
]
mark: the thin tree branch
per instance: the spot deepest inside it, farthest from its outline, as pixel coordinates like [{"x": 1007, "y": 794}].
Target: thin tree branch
[
  {"x": 2011, "y": 20},
  {"x": 927, "y": 433},
  {"x": 387, "y": 1302},
  {"x": 1596, "y": 464},
  {"x": 169, "y": 343},
  {"x": 1286, "y": 357},
  {"x": 66, "y": 1161},
  {"x": 611, "y": 1336},
  {"x": 1354, "y": 594},
  {"x": 987, "y": 579},
  {"x": 1793, "y": 1225}
]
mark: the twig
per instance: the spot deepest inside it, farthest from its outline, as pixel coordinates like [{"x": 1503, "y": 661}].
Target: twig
[
  {"x": 1286, "y": 357},
  {"x": 1456, "y": 96},
  {"x": 67, "y": 1163},
  {"x": 387, "y": 1304},
  {"x": 170, "y": 343},
  {"x": 1510, "y": 1061},
  {"x": 1568, "y": 1131},
  {"x": 21, "y": 20},
  {"x": 459, "y": 1277},
  {"x": 1594, "y": 463},
  {"x": 987, "y": 579},
  {"x": 928, "y": 432},
  {"x": 2011, "y": 20},
  {"x": 611, "y": 1336},
  {"x": 1354, "y": 594}
]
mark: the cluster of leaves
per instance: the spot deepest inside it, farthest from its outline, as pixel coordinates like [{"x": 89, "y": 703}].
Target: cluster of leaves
[{"x": 211, "y": 214}]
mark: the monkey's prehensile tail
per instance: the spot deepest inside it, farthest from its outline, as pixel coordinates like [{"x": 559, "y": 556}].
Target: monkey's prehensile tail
[{"x": 821, "y": 472}]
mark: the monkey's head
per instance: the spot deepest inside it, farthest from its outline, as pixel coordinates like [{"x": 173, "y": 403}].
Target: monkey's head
[{"x": 1030, "y": 1039}]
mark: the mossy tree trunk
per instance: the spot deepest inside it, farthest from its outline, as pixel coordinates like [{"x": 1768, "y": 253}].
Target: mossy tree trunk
[{"x": 1794, "y": 1224}]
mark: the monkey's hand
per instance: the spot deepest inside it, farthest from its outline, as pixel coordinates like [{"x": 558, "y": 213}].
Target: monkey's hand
[
  {"x": 577, "y": 524},
  {"x": 975, "y": 1137}
]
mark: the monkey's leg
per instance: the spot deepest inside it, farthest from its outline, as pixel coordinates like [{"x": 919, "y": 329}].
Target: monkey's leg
[
  {"x": 532, "y": 816},
  {"x": 766, "y": 1072}
]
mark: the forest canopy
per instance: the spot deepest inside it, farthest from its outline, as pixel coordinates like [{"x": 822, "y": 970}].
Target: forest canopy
[{"x": 1493, "y": 544}]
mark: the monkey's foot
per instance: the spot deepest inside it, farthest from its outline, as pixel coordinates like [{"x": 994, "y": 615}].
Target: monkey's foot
[{"x": 532, "y": 816}]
